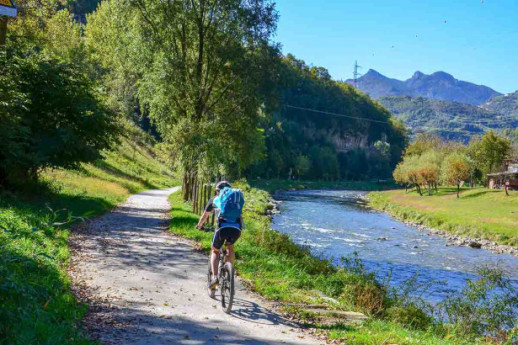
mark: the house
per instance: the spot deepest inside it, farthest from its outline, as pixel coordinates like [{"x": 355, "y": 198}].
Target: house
[{"x": 507, "y": 177}]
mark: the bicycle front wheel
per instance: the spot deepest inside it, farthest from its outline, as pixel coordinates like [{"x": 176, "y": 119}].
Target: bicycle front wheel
[{"x": 227, "y": 287}]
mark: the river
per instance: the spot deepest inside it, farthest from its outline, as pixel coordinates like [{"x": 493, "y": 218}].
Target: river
[{"x": 334, "y": 224}]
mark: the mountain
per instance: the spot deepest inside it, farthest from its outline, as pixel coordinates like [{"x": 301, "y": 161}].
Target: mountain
[
  {"x": 505, "y": 104},
  {"x": 452, "y": 120},
  {"x": 438, "y": 85}
]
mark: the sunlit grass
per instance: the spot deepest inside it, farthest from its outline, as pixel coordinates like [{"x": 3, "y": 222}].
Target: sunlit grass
[
  {"x": 36, "y": 305},
  {"x": 479, "y": 212}
]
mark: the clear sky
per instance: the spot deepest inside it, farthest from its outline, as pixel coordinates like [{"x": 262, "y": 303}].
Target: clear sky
[{"x": 474, "y": 40}]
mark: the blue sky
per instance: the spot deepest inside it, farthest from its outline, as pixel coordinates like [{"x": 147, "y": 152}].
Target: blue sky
[{"x": 473, "y": 40}]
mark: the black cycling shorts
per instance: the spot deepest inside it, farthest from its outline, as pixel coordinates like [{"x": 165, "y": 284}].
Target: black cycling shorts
[{"x": 226, "y": 235}]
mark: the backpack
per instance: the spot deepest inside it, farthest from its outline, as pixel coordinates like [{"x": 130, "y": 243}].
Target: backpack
[{"x": 230, "y": 203}]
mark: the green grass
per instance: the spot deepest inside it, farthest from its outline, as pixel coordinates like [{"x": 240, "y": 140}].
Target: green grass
[
  {"x": 281, "y": 271},
  {"x": 280, "y": 184},
  {"x": 479, "y": 212},
  {"x": 36, "y": 305}
]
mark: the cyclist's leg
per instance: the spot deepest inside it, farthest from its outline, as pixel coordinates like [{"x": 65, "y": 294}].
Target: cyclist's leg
[
  {"x": 214, "y": 259},
  {"x": 231, "y": 235},
  {"x": 231, "y": 256},
  {"x": 217, "y": 243}
]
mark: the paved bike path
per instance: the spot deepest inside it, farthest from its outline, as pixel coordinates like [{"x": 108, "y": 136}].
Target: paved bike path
[{"x": 146, "y": 286}]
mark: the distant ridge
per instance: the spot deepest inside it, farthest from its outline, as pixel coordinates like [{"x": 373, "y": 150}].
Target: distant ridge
[{"x": 439, "y": 85}]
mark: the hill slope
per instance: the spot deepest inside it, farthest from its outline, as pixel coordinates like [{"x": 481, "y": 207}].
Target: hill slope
[
  {"x": 37, "y": 306},
  {"x": 452, "y": 120},
  {"x": 505, "y": 104},
  {"x": 438, "y": 85}
]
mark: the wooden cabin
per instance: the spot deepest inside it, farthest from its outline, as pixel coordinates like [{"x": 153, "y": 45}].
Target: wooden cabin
[{"x": 507, "y": 177}]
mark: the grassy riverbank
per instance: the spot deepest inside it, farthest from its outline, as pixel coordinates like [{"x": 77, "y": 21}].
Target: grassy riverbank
[
  {"x": 36, "y": 306},
  {"x": 479, "y": 212},
  {"x": 280, "y": 184},
  {"x": 281, "y": 271}
]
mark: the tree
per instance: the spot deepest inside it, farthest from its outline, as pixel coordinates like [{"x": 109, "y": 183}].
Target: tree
[
  {"x": 489, "y": 151},
  {"x": 55, "y": 117},
  {"x": 201, "y": 68},
  {"x": 424, "y": 142},
  {"x": 429, "y": 168},
  {"x": 302, "y": 166},
  {"x": 401, "y": 176},
  {"x": 456, "y": 169}
]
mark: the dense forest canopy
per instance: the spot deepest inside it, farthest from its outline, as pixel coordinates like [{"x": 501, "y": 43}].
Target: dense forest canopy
[{"x": 366, "y": 142}]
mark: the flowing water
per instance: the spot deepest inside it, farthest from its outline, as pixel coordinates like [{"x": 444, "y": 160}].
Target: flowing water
[{"x": 335, "y": 224}]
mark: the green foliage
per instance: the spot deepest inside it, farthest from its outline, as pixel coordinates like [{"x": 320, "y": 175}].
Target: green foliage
[
  {"x": 337, "y": 147},
  {"x": 489, "y": 151},
  {"x": 485, "y": 306},
  {"x": 205, "y": 96},
  {"x": 50, "y": 116},
  {"x": 36, "y": 305},
  {"x": 456, "y": 168}
]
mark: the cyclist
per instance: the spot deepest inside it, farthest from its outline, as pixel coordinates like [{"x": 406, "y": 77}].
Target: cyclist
[{"x": 226, "y": 233}]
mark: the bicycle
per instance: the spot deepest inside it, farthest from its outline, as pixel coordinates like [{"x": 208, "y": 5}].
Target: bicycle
[{"x": 226, "y": 279}]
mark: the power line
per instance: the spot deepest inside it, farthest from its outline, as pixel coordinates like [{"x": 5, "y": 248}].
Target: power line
[
  {"x": 339, "y": 115},
  {"x": 474, "y": 122}
]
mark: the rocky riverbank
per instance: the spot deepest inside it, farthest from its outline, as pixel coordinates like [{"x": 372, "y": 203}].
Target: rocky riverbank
[
  {"x": 458, "y": 240},
  {"x": 454, "y": 239}
]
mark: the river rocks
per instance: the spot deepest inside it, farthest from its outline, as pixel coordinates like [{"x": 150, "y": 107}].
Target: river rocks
[
  {"x": 457, "y": 240},
  {"x": 475, "y": 245},
  {"x": 381, "y": 239}
]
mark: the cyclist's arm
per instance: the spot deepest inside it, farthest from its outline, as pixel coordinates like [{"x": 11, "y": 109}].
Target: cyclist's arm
[
  {"x": 203, "y": 219},
  {"x": 208, "y": 210}
]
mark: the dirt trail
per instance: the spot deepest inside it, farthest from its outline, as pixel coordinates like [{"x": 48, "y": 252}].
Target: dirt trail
[{"x": 146, "y": 286}]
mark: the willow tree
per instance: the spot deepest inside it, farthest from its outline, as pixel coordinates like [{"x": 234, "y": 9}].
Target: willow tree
[{"x": 202, "y": 70}]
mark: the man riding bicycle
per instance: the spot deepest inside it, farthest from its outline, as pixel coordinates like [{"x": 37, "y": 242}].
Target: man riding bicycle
[{"x": 227, "y": 231}]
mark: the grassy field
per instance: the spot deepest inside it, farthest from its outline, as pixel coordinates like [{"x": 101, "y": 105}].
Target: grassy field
[
  {"x": 479, "y": 212},
  {"x": 280, "y": 184},
  {"x": 36, "y": 306},
  {"x": 281, "y": 271}
]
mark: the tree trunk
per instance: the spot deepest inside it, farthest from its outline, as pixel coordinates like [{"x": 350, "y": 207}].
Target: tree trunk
[
  {"x": 458, "y": 190},
  {"x": 418, "y": 189},
  {"x": 429, "y": 189}
]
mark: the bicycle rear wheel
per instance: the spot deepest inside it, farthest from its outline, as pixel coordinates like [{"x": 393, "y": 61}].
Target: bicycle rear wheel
[
  {"x": 227, "y": 287},
  {"x": 210, "y": 292}
]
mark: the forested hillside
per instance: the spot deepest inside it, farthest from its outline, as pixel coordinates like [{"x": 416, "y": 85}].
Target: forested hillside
[
  {"x": 505, "y": 104},
  {"x": 452, "y": 120},
  {"x": 304, "y": 143}
]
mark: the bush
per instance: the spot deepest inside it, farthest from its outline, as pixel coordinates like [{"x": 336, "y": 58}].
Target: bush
[
  {"x": 50, "y": 116},
  {"x": 410, "y": 316},
  {"x": 485, "y": 306}
]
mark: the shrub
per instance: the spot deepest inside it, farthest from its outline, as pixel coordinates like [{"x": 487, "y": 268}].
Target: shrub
[
  {"x": 485, "y": 306},
  {"x": 50, "y": 116},
  {"x": 410, "y": 316}
]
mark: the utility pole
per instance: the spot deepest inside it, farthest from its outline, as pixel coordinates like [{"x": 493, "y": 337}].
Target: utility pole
[{"x": 356, "y": 74}]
